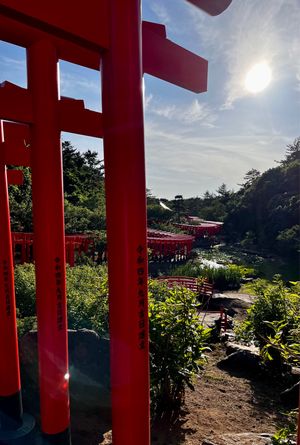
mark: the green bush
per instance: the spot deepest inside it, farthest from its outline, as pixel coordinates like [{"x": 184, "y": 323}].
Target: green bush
[
  {"x": 177, "y": 344},
  {"x": 273, "y": 320},
  {"x": 177, "y": 339},
  {"x": 223, "y": 278},
  {"x": 87, "y": 294},
  {"x": 26, "y": 324},
  {"x": 25, "y": 290},
  {"x": 286, "y": 435},
  {"x": 87, "y": 297}
]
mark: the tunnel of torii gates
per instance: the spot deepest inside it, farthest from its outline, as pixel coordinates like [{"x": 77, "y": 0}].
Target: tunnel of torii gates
[
  {"x": 162, "y": 246},
  {"x": 107, "y": 35}
]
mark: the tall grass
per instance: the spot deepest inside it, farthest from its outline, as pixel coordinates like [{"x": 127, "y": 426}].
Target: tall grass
[{"x": 223, "y": 278}]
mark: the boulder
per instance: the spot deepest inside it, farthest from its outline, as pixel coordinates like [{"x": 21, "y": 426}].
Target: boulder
[
  {"x": 246, "y": 439},
  {"x": 236, "y": 347},
  {"x": 243, "y": 361},
  {"x": 235, "y": 303},
  {"x": 290, "y": 397},
  {"x": 88, "y": 368},
  {"x": 295, "y": 373}
]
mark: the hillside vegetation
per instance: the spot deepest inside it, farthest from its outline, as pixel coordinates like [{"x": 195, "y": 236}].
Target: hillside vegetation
[{"x": 262, "y": 214}]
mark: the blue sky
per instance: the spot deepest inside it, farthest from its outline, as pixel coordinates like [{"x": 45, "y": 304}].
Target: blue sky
[{"x": 195, "y": 142}]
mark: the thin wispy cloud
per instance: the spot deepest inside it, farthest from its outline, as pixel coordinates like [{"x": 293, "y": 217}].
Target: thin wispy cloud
[
  {"x": 199, "y": 112},
  {"x": 161, "y": 12},
  {"x": 258, "y": 39},
  {"x": 68, "y": 83},
  {"x": 181, "y": 161},
  {"x": 192, "y": 113},
  {"x": 14, "y": 64},
  {"x": 252, "y": 32},
  {"x": 147, "y": 101},
  {"x": 294, "y": 55},
  {"x": 81, "y": 87}
]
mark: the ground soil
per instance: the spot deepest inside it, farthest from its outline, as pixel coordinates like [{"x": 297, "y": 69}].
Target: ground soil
[{"x": 222, "y": 403}]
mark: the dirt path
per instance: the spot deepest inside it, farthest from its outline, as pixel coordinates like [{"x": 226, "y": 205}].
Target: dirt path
[
  {"x": 221, "y": 407},
  {"x": 222, "y": 404}
]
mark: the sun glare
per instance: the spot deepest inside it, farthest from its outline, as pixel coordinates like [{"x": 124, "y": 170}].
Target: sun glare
[{"x": 258, "y": 78}]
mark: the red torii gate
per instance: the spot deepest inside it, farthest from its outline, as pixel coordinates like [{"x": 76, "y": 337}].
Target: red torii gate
[
  {"x": 202, "y": 229},
  {"x": 110, "y": 31},
  {"x": 168, "y": 246},
  {"x": 75, "y": 244},
  {"x": 11, "y": 410},
  {"x": 9, "y": 369}
]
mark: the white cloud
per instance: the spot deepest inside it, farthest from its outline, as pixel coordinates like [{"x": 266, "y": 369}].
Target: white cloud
[
  {"x": 69, "y": 82},
  {"x": 147, "y": 101},
  {"x": 189, "y": 162},
  {"x": 294, "y": 55},
  {"x": 250, "y": 32},
  {"x": 15, "y": 64},
  {"x": 161, "y": 12},
  {"x": 82, "y": 87},
  {"x": 199, "y": 112},
  {"x": 194, "y": 113}
]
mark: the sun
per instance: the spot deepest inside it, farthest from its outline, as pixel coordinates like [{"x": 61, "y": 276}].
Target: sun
[{"x": 258, "y": 78}]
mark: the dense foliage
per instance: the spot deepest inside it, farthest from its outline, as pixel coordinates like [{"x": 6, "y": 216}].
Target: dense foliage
[
  {"x": 224, "y": 278},
  {"x": 177, "y": 344},
  {"x": 84, "y": 190},
  {"x": 177, "y": 339},
  {"x": 84, "y": 194},
  {"x": 265, "y": 212},
  {"x": 273, "y": 321},
  {"x": 262, "y": 215},
  {"x": 87, "y": 294},
  {"x": 21, "y": 204}
]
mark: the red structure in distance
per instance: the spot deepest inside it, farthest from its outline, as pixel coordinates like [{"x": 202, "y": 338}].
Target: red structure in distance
[
  {"x": 200, "y": 230},
  {"x": 23, "y": 245}
]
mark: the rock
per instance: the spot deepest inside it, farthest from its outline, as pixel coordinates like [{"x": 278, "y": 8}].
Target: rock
[
  {"x": 107, "y": 439},
  {"x": 235, "y": 303},
  {"x": 244, "y": 361},
  {"x": 227, "y": 336},
  {"x": 246, "y": 439},
  {"x": 236, "y": 347},
  {"x": 88, "y": 368},
  {"x": 208, "y": 442},
  {"x": 290, "y": 397},
  {"x": 295, "y": 373}
]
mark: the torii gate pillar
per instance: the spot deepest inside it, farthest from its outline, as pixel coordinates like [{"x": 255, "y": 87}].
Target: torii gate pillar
[{"x": 126, "y": 223}]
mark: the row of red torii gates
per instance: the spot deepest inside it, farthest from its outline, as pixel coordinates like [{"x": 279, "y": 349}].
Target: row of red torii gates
[
  {"x": 106, "y": 34},
  {"x": 163, "y": 246}
]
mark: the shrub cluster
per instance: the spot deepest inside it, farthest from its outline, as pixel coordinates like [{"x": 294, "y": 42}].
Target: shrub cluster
[
  {"x": 273, "y": 321},
  {"x": 177, "y": 344},
  {"x": 223, "y": 278},
  {"x": 87, "y": 294},
  {"x": 177, "y": 339}
]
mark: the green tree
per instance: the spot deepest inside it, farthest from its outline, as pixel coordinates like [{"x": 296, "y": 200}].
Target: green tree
[
  {"x": 292, "y": 152},
  {"x": 20, "y": 202}
]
